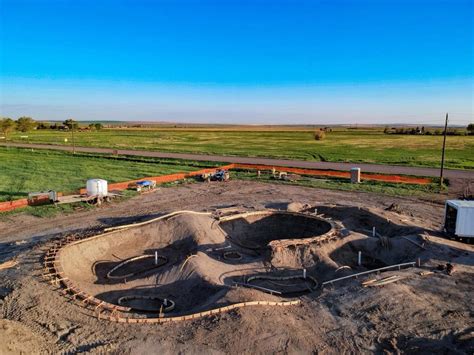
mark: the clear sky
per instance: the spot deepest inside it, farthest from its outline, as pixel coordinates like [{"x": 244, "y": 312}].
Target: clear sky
[{"x": 255, "y": 61}]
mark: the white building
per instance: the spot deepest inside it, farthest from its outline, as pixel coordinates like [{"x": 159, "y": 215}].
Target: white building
[{"x": 459, "y": 218}]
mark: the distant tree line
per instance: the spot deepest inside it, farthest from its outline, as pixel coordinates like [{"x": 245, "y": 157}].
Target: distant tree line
[
  {"x": 25, "y": 124},
  {"x": 430, "y": 132}
]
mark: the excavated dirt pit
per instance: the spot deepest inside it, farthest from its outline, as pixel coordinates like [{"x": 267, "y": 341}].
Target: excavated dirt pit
[
  {"x": 122, "y": 264},
  {"x": 256, "y": 230},
  {"x": 425, "y": 311},
  {"x": 193, "y": 260},
  {"x": 183, "y": 259}
]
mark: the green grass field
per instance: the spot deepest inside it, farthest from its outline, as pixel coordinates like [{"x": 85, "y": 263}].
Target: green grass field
[
  {"x": 24, "y": 170},
  {"x": 341, "y": 145}
]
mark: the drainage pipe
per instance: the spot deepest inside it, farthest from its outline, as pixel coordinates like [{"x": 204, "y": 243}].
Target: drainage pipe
[
  {"x": 123, "y": 263},
  {"x": 185, "y": 261},
  {"x": 258, "y": 288},
  {"x": 412, "y": 263},
  {"x": 284, "y": 278}
]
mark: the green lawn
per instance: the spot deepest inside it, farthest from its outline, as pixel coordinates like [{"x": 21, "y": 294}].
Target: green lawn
[
  {"x": 342, "y": 145},
  {"x": 24, "y": 170}
]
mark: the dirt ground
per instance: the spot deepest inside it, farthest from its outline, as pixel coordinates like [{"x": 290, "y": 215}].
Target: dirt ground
[{"x": 422, "y": 314}]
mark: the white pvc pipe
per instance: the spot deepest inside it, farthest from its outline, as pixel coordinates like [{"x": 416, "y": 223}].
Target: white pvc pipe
[{"x": 369, "y": 272}]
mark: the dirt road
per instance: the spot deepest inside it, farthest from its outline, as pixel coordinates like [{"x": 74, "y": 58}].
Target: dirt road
[{"x": 370, "y": 168}]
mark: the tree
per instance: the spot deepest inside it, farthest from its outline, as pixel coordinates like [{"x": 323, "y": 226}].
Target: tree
[
  {"x": 71, "y": 124},
  {"x": 470, "y": 128},
  {"x": 96, "y": 126},
  {"x": 6, "y": 126},
  {"x": 319, "y": 135},
  {"x": 43, "y": 125},
  {"x": 25, "y": 124}
]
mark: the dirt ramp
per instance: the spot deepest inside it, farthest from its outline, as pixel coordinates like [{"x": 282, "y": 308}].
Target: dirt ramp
[{"x": 89, "y": 262}]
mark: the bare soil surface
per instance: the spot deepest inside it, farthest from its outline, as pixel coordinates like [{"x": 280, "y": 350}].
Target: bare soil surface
[{"x": 422, "y": 314}]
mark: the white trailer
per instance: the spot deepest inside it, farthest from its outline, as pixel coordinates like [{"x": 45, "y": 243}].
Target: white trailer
[{"x": 459, "y": 218}]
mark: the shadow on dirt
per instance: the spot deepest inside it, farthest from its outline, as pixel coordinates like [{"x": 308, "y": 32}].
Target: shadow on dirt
[
  {"x": 362, "y": 221},
  {"x": 189, "y": 294},
  {"x": 142, "y": 268},
  {"x": 452, "y": 343},
  {"x": 255, "y": 232}
]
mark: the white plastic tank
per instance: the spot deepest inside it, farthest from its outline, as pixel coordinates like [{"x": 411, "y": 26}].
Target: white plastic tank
[{"x": 96, "y": 187}]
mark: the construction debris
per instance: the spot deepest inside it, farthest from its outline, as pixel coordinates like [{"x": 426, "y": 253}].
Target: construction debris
[
  {"x": 426, "y": 273},
  {"x": 449, "y": 268},
  {"x": 283, "y": 175},
  {"x": 368, "y": 282},
  {"x": 381, "y": 282},
  {"x": 399, "y": 266},
  {"x": 144, "y": 185},
  {"x": 42, "y": 198},
  {"x": 394, "y": 207},
  {"x": 220, "y": 175},
  {"x": 8, "y": 264}
]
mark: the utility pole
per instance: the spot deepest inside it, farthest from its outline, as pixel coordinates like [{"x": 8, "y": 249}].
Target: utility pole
[
  {"x": 444, "y": 148},
  {"x": 73, "y": 143}
]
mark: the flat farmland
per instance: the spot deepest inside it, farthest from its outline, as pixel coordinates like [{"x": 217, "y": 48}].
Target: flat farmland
[
  {"x": 26, "y": 170},
  {"x": 340, "y": 145}
]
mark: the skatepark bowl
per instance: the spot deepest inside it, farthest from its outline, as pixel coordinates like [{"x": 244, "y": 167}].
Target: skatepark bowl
[{"x": 174, "y": 265}]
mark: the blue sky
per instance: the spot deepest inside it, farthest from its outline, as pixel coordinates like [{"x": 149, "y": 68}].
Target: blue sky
[{"x": 231, "y": 61}]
